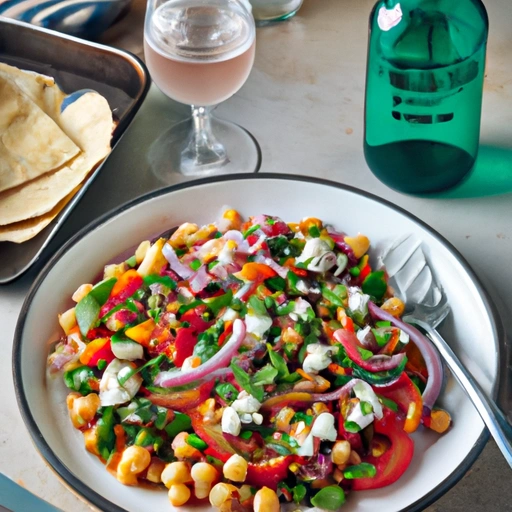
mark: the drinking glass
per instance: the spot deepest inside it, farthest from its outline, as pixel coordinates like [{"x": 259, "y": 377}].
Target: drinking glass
[
  {"x": 200, "y": 53},
  {"x": 274, "y": 10}
]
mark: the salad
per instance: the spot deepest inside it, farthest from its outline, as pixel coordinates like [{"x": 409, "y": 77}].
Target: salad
[{"x": 248, "y": 364}]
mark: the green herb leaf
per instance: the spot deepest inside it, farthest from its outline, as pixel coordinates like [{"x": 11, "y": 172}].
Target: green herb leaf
[
  {"x": 195, "y": 264},
  {"x": 180, "y": 423},
  {"x": 163, "y": 280},
  {"x": 87, "y": 312},
  {"x": 276, "y": 283},
  {"x": 265, "y": 376},
  {"x": 257, "y": 305},
  {"x": 105, "y": 432},
  {"x": 156, "y": 361},
  {"x": 227, "y": 392},
  {"x": 363, "y": 470},
  {"x": 131, "y": 261},
  {"x": 251, "y": 230},
  {"x": 375, "y": 284},
  {"x": 278, "y": 362},
  {"x": 244, "y": 381},
  {"x": 215, "y": 304},
  {"x": 101, "y": 291},
  {"x": 331, "y": 497},
  {"x": 365, "y": 354},
  {"x": 299, "y": 493},
  {"x": 387, "y": 402},
  {"x": 80, "y": 379}
]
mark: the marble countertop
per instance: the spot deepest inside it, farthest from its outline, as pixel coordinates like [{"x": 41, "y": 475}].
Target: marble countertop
[{"x": 304, "y": 104}]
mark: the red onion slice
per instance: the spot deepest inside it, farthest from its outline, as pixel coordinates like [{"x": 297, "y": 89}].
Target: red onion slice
[
  {"x": 170, "y": 255},
  {"x": 428, "y": 351},
  {"x": 377, "y": 363},
  {"x": 200, "y": 280},
  {"x": 278, "y": 269},
  {"x": 222, "y": 358}
]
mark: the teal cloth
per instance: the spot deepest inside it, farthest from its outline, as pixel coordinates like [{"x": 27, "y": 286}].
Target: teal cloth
[{"x": 17, "y": 499}]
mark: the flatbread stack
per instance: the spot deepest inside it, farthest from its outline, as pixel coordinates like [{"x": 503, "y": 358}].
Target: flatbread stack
[{"x": 49, "y": 144}]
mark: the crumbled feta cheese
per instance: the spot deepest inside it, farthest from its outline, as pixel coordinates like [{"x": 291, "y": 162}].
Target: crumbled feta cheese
[
  {"x": 314, "y": 248},
  {"x": 300, "y": 309},
  {"x": 324, "y": 428},
  {"x": 365, "y": 393},
  {"x": 404, "y": 337},
  {"x": 357, "y": 301},
  {"x": 229, "y": 315},
  {"x": 361, "y": 334},
  {"x": 188, "y": 364},
  {"x": 127, "y": 350},
  {"x": 246, "y": 403},
  {"x": 111, "y": 392},
  {"x": 356, "y": 415},
  {"x": 246, "y": 418},
  {"x": 226, "y": 254},
  {"x": 318, "y": 357},
  {"x": 257, "y": 418},
  {"x": 300, "y": 427},
  {"x": 307, "y": 448},
  {"x": 319, "y": 254},
  {"x": 257, "y": 324},
  {"x": 231, "y": 423}
]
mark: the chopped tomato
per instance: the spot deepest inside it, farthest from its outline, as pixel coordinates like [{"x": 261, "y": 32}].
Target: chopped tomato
[
  {"x": 392, "y": 464},
  {"x": 97, "y": 349},
  {"x": 125, "y": 287},
  {"x": 408, "y": 398},
  {"x": 269, "y": 472}
]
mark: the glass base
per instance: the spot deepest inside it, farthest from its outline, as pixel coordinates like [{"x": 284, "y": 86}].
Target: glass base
[{"x": 172, "y": 154}]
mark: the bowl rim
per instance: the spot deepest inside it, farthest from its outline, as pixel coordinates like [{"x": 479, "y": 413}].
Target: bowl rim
[{"x": 97, "y": 500}]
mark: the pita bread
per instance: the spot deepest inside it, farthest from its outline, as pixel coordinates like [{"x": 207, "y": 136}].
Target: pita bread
[
  {"x": 26, "y": 229},
  {"x": 31, "y": 143},
  {"x": 87, "y": 121},
  {"x": 41, "y": 89}
]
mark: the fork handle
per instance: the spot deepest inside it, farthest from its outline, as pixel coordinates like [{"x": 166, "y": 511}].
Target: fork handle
[{"x": 492, "y": 416}]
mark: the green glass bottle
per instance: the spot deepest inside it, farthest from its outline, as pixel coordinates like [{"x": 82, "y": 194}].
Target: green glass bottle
[{"x": 424, "y": 84}]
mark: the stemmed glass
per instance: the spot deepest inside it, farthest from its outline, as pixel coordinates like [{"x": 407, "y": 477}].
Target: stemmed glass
[{"x": 200, "y": 52}]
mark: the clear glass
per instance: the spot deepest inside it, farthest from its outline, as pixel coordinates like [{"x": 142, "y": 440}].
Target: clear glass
[
  {"x": 424, "y": 85},
  {"x": 200, "y": 53},
  {"x": 274, "y": 10}
]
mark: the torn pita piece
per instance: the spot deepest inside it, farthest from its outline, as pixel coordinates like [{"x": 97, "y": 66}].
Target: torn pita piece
[{"x": 49, "y": 143}]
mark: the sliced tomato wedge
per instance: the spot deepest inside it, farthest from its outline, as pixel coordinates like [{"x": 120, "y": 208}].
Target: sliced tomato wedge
[{"x": 392, "y": 464}]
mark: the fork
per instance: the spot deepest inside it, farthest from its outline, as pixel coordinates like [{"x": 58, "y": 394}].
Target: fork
[{"x": 426, "y": 307}]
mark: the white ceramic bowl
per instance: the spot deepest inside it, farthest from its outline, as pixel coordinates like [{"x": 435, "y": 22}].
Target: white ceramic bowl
[{"x": 439, "y": 461}]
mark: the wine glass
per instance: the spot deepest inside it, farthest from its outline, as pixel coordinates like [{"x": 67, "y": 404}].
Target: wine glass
[{"x": 200, "y": 53}]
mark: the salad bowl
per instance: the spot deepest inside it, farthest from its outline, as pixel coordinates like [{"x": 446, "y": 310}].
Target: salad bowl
[{"x": 439, "y": 461}]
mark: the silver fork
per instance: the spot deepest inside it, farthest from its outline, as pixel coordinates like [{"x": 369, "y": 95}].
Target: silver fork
[{"x": 426, "y": 307}]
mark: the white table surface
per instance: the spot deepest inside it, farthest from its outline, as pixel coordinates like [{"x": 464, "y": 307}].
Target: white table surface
[{"x": 304, "y": 104}]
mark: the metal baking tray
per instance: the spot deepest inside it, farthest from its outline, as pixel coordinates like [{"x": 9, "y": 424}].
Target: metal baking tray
[{"x": 75, "y": 64}]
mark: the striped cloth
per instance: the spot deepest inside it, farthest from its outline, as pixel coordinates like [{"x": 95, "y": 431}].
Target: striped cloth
[{"x": 82, "y": 18}]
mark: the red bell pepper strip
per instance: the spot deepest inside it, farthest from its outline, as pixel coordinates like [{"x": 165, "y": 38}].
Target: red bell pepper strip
[
  {"x": 125, "y": 287},
  {"x": 97, "y": 349},
  {"x": 195, "y": 319},
  {"x": 408, "y": 398},
  {"x": 182, "y": 401},
  {"x": 184, "y": 344},
  {"x": 392, "y": 464}
]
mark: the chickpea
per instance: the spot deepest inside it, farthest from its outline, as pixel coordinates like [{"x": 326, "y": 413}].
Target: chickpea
[
  {"x": 178, "y": 494},
  {"x": 67, "y": 320},
  {"x": 179, "y": 237},
  {"x": 222, "y": 493},
  {"x": 134, "y": 460},
  {"x": 141, "y": 251},
  {"x": 394, "y": 307},
  {"x": 235, "y": 468},
  {"x": 182, "y": 450},
  {"x": 266, "y": 500},
  {"x": 82, "y": 409},
  {"x": 359, "y": 244},
  {"x": 155, "y": 470},
  {"x": 176, "y": 473},
  {"x": 204, "y": 475},
  {"x": 81, "y": 292},
  {"x": 340, "y": 452},
  {"x": 91, "y": 440}
]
